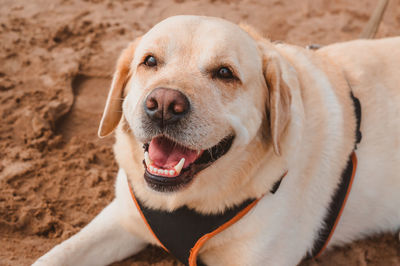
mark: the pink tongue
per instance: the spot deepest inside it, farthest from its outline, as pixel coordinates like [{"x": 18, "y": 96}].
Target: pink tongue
[{"x": 166, "y": 154}]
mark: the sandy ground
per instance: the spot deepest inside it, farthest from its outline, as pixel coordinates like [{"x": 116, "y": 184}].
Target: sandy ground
[{"x": 57, "y": 57}]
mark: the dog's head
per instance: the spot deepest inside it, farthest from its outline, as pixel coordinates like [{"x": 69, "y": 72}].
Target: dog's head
[{"x": 203, "y": 96}]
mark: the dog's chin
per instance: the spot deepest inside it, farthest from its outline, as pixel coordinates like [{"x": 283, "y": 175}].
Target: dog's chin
[{"x": 170, "y": 166}]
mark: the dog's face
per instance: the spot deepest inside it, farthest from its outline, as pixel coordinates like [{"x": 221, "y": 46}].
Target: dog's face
[{"x": 195, "y": 92}]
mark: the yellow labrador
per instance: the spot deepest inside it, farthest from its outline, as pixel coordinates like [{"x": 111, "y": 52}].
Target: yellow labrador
[{"x": 214, "y": 117}]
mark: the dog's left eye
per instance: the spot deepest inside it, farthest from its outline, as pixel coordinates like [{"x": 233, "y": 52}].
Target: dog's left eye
[
  {"x": 150, "y": 61},
  {"x": 224, "y": 73}
]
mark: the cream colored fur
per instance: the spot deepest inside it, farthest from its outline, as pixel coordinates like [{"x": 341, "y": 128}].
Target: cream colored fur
[{"x": 291, "y": 111}]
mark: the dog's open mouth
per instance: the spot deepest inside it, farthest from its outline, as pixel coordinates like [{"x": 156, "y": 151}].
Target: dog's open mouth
[{"x": 170, "y": 165}]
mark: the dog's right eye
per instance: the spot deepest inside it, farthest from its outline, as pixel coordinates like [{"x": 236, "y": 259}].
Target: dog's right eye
[
  {"x": 150, "y": 61},
  {"x": 224, "y": 73}
]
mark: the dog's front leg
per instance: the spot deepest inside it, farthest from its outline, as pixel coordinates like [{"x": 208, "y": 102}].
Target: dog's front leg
[{"x": 101, "y": 242}]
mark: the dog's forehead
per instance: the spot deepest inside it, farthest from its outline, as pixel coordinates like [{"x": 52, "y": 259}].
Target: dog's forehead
[
  {"x": 191, "y": 26},
  {"x": 208, "y": 36}
]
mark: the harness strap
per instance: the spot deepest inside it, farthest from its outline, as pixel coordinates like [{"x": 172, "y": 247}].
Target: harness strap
[
  {"x": 357, "y": 110},
  {"x": 184, "y": 231},
  {"x": 336, "y": 207},
  {"x": 342, "y": 192}
]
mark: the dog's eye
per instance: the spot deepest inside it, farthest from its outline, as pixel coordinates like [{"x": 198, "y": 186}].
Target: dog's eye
[
  {"x": 150, "y": 61},
  {"x": 224, "y": 73}
]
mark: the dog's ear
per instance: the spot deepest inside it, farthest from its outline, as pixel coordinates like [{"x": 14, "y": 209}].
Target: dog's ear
[
  {"x": 113, "y": 110},
  {"x": 280, "y": 77}
]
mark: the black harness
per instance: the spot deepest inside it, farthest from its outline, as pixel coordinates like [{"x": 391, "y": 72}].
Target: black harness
[
  {"x": 180, "y": 231},
  {"x": 184, "y": 231}
]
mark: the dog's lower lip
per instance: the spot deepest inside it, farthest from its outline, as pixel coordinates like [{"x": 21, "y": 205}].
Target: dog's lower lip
[{"x": 168, "y": 181}]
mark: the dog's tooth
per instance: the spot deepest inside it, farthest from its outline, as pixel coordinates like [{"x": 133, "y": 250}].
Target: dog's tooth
[
  {"x": 165, "y": 172},
  {"x": 147, "y": 158},
  {"x": 171, "y": 172},
  {"x": 151, "y": 168},
  {"x": 160, "y": 171},
  {"x": 179, "y": 166}
]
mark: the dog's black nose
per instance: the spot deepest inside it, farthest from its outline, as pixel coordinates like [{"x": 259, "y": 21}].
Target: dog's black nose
[{"x": 166, "y": 106}]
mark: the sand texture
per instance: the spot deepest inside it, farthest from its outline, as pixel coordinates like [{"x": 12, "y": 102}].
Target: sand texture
[{"x": 57, "y": 58}]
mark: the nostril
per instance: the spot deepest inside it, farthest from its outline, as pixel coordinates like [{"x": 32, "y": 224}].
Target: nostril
[
  {"x": 151, "y": 104},
  {"x": 178, "y": 108}
]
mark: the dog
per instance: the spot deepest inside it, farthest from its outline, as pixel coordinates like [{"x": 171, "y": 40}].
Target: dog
[{"x": 216, "y": 119}]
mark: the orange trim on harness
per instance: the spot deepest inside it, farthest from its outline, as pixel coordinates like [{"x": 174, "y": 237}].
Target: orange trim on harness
[
  {"x": 192, "y": 260},
  {"x": 195, "y": 250},
  {"x": 354, "y": 160},
  {"x": 144, "y": 218}
]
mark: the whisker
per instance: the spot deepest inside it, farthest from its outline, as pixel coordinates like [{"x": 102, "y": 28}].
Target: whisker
[{"x": 210, "y": 152}]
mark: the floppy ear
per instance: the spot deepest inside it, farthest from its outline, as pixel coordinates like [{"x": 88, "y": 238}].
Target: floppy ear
[
  {"x": 279, "y": 77},
  {"x": 113, "y": 111}
]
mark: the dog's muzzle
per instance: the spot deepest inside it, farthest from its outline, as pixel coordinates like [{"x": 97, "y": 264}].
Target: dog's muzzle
[{"x": 169, "y": 163}]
